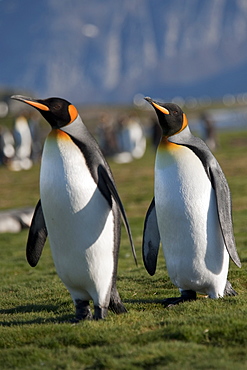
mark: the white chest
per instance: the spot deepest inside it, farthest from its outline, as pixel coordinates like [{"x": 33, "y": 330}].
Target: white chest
[
  {"x": 188, "y": 221},
  {"x": 181, "y": 183},
  {"x": 65, "y": 178}
]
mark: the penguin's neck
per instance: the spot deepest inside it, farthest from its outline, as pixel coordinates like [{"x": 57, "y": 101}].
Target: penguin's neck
[
  {"x": 58, "y": 134},
  {"x": 166, "y": 145},
  {"x": 171, "y": 143},
  {"x": 168, "y": 154}
]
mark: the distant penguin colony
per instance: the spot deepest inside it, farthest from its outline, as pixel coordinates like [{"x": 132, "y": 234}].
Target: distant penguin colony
[
  {"x": 190, "y": 212},
  {"x": 79, "y": 210}
]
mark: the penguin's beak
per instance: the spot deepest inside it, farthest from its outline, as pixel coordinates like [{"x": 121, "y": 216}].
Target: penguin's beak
[
  {"x": 30, "y": 101},
  {"x": 157, "y": 105}
]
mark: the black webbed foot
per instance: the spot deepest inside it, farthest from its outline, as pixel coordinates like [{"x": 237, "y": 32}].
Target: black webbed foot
[
  {"x": 229, "y": 291},
  {"x": 82, "y": 311},
  {"x": 186, "y": 295},
  {"x": 100, "y": 313}
]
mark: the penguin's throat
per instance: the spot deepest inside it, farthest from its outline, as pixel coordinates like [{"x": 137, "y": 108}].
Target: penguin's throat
[
  {"x": 169, "y": 131},
  {"x": 58, "y": 134},
  {"x": 166, "y": 144}
]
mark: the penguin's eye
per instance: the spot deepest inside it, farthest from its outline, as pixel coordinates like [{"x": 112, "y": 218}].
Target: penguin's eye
[
  {"x": 57, "y": 106},
  {"x": 175, "y": 112}
]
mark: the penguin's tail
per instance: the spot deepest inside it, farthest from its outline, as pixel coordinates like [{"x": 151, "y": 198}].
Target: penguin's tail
[
  {"x": 116, "y": 305},
  {"x": 229, "y": 289}
]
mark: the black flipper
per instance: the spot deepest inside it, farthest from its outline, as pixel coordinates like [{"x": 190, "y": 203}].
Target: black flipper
[
  {"x": 219, "y": 183},
  {"x": 37, "y": 236},
  {"x": 111, "y": 187},
  {"x": 151, "y": 240}
]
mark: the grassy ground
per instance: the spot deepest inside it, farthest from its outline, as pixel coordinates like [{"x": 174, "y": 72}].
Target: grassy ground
[{"x": 34, "y": 305}]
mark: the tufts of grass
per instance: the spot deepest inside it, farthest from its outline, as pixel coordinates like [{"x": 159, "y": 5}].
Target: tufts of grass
[{"x": 35, "y": 307}]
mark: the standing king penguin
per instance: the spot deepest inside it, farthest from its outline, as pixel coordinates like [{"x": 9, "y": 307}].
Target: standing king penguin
[
  {"x": 79, "y": 209},
  {"x": 190, "y": 212}
]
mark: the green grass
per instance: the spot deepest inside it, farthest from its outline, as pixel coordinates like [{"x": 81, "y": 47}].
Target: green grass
[{"x": 34, "y": 304}]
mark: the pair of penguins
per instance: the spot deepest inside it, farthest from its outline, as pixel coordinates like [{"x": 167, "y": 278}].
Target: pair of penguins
[{"x": 80, "y": 210}]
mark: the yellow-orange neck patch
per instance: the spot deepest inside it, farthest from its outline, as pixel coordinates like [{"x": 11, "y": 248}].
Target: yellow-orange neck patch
[
  {"x": 59, "y": 134},
  {"x": 185, "y": 123},
  {"x": 72, "y": 112},
  {"x": 165, "y": 144}
]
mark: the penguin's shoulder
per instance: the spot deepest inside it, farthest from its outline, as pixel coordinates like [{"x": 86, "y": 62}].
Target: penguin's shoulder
[
  {"x": 198, "y": 147},
  {"x": 78, "y": 134},
  {"x": 172, "y": 153}
]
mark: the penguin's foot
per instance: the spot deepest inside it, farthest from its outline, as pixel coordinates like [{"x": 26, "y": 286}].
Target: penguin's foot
[
  {"x": 82, "y": 311},
  {"x": 100, "y": 312},
  {"x": 229, "y": 289},
  {"x": 116, "y": 305},
  {"x": 186, "y": 295}
]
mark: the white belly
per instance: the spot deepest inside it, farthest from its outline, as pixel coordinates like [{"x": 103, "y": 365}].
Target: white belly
[
  {"x": 79, "y": 221},
  {"x": 192, "y": 241}
]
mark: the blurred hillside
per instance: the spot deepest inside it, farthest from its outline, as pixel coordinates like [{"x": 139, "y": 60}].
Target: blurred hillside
[{"x": 111, "y": 51}]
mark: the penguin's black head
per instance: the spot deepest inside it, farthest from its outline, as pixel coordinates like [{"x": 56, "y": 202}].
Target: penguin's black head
[
  {"x": 171, "y": 117},
  {"x": 58, "y": 112}
]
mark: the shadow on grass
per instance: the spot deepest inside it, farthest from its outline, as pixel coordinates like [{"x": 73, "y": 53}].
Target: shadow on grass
[
  {"x": 29, "y": 308},
  {"x": 32, "y": 309},
  {"x": 63, "y": 319},
  {"x": 144, "y": 301}
]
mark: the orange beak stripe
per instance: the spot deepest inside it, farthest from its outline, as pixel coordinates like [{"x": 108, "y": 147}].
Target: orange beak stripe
[
  {"x": 37, "y": 105},
  {"x": 162, "y": 109}
]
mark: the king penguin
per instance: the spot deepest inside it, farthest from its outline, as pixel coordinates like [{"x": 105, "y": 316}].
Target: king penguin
[
  {"x": 190, "y": 212},
  {"x": 79, "y": 209}
]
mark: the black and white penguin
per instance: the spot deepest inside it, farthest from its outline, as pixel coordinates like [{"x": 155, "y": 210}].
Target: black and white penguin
[
  {"x": 190, "y": 212},
  {"x": 79, "y": 210}
]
